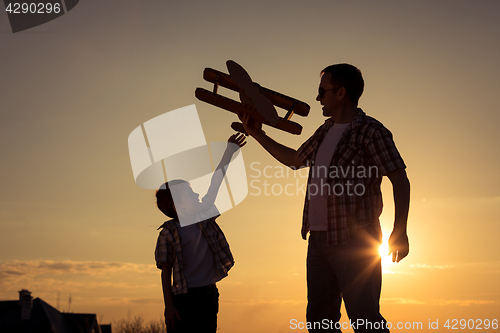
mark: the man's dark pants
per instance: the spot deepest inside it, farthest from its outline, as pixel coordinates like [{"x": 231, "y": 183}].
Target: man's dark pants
[{"x": 351, "y": 272}]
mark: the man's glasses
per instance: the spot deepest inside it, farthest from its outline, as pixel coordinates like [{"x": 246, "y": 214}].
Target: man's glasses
[{"x": 322, "y": 91}]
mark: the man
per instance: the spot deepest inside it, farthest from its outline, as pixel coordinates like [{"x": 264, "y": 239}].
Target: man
[{"x": 348, "y": 156}]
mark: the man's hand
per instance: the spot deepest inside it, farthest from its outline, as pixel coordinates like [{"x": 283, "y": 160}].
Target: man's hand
[
  {"x": 398, "y": 242},
  {"x": 251, "y": 126},
  {"x": 398, "y": 246},
  {"x": 170, "y": 315},
  {"x": 283, "y": 154}
]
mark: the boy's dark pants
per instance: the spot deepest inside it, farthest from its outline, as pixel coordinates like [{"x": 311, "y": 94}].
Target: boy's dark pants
[{"x": 198, "y": 310}]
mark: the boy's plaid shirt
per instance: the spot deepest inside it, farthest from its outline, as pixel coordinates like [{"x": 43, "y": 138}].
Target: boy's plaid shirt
[
  {"x": 365, "y": 143},
  {"x": 168, "y": 250}
]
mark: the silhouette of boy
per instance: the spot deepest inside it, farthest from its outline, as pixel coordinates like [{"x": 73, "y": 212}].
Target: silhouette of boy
[{"x": 193, "y": 246}]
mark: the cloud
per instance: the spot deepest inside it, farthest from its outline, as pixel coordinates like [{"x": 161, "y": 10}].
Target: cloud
[
  {"x": 233, "y": 282},
  {"x": 400, "y": 301},
  {"x": 467, "y": 302},
  {"x": 476, "y": 267},
  {"x": 391, "y": 271},
  {"x": 147, "y": 300},
  {"x": 441, "y": 302},
  {"x": 9, "y": 273},
  {"x": 47, "y": 277},
  {"x": 256, "y": 302},
  {"x": 129, "y": 300},
  {"x": 394, "y": 300},
  {"x": 50, "y": 267},
  {"x": 468, "y": 200},
  {"x": 432, "y": 266}
]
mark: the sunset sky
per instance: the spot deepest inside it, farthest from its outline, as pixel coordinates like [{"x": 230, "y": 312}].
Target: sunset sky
[{"x": 73, "y": 221}]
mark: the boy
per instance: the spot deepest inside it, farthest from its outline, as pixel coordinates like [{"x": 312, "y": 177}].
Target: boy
[{"x": 195, "y": 248}]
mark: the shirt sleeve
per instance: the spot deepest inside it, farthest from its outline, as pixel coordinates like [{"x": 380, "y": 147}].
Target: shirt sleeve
[
  {"x": 305, "y": 151},
  {"x": 382, "y": 151},
  {"x": 164, "y": 252}
]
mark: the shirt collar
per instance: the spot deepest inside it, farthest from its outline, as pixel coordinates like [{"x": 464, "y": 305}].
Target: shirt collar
[
  {"x": 355, "y": 122},
  {"x": 167, "y": 223}
]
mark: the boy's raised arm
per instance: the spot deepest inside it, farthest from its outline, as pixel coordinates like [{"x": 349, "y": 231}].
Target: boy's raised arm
[{"x": 235, "y": 142}]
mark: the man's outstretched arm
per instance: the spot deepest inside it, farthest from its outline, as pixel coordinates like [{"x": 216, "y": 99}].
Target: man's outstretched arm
[
  {"x": 283, "y": 154},
  {"x": 398, "y": 241}
]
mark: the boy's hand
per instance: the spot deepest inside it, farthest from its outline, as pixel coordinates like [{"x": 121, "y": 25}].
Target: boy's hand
[
  {"x": 170, "y": 315},
  {"x": 238, "y": 139}
]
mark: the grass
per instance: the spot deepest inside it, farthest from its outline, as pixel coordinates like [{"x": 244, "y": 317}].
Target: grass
[{"x": 137, "y": 325}]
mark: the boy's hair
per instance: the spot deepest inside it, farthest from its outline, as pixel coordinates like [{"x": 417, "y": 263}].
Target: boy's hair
[
  {"x": 349, "y": 77},
  {"x": 164, "y": 199}
]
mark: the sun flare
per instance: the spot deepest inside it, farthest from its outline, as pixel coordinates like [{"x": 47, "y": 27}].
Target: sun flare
[{"x": 383, "y": 251}]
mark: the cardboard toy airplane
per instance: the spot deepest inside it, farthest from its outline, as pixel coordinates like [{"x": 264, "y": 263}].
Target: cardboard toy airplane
[{"x": 256, "y": 100}]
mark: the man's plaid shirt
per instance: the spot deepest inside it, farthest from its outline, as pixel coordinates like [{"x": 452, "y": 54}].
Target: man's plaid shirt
[
  {"x": 168, "y": 250},
  {"x": 365, "y": 143}
]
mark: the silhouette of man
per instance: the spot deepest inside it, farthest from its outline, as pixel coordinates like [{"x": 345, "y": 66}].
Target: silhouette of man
[{"x": 348, "y": 156}]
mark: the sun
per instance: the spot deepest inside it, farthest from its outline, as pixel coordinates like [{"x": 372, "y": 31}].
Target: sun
[{"x": 383, "y": 250}]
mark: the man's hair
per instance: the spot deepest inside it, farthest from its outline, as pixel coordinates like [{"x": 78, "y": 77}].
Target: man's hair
[
  {"x": 349, "y": 77},
  {"x": 164, "y": 199}
]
